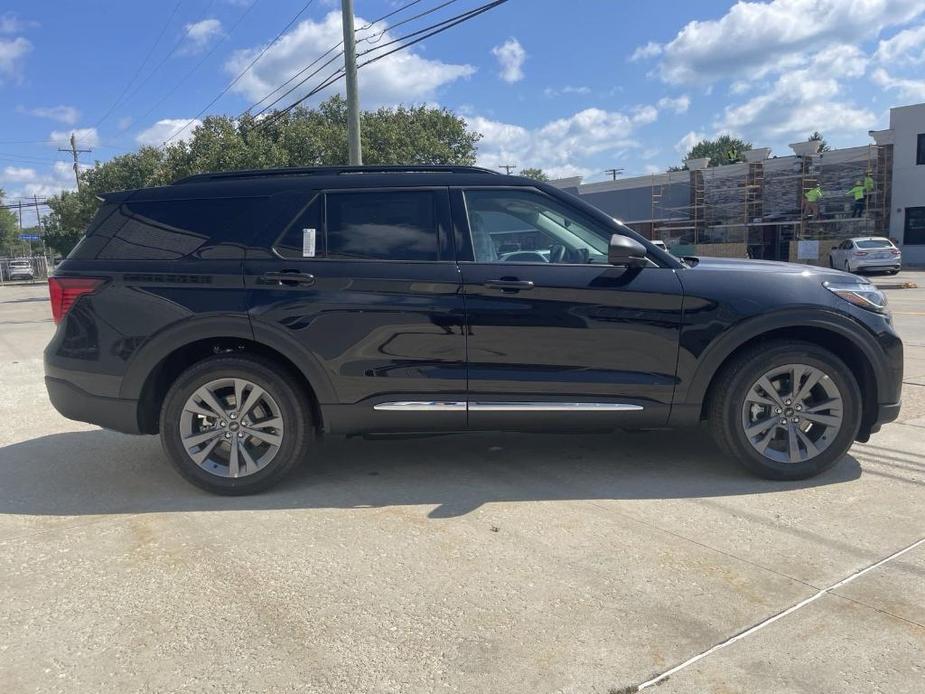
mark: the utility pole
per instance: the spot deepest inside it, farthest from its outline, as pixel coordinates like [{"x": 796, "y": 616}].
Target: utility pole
[
  {"x": 507, "y": 168},
  {"x": 41, "y": 228},
  {"x": 613, "y": 172},
  {"x": 354, "y": 147},
  {"x": 75, "y": 152}
]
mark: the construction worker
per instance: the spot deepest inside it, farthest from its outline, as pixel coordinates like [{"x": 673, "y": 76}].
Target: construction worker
[
  {"x": 858, "y": 191},
  {"x": 868, "y": 183},
  {"x": 811, "y": 201}
]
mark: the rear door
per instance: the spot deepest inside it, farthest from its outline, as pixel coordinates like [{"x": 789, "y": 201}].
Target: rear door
[
  {"x": 361, "y": 287},
  {"x": 558, "y": 338}
]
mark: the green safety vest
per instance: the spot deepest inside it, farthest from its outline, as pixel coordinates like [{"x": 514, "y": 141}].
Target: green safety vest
[
  {"x": 868, "y": 184},
  {"x": 858, "y": 192},
  {"x": 813, "y": 194}
]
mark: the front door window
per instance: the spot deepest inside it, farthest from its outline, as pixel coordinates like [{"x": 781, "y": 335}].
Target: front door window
[{"x": 520, "y": 226}]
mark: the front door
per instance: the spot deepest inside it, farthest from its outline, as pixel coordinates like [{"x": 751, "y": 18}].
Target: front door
[{"x": 556, "y": 337}]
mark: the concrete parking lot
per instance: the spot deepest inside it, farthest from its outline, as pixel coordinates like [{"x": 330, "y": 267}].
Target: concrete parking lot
[{"x": 469, "y": 563}]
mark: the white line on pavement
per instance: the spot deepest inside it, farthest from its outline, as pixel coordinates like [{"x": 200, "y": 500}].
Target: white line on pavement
[{"x": 770, "y": 620}]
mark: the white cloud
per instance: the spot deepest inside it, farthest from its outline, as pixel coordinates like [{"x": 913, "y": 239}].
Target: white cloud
[
  {"x": 402, "y": 77},
  {"x": 511, "y": 56},
  {"x": 12, "y": 24},
  {"x": 804, "y": 100},
  {"x": 754, "y": 39},
  {"x": 561, "y": 146},
  {"x": 686, "y": 143},
  {"x": 567, "y": 89},
  {"x": 908, "y": 89},
  {"x": 64, "y": 114},
  {"x": 16, "y": 174},
  {"x": 650, "y": 50},
  {"x": 58, "y": 177},
  {"x": 200, "y": 34},
  {"x": 166, "y": 129},
  {"x": 12, "y": 54},
  {"x": 86, "y": 137},
  {"x": 905, "y": 48},
  {"x": 678, "y": 104}
]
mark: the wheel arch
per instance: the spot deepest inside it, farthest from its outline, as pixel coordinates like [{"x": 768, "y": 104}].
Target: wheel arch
[
  {"x": 840, "y": 336},
  {"x": 154, "y": 369}
]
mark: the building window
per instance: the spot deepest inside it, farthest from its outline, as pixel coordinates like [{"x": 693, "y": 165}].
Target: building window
[
  {"x": 914, "y": 234},
  {"x": 920, "y": 152}
]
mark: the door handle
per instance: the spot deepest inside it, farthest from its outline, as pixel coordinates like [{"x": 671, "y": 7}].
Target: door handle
[
  {"x": 509, "y": 285},
  {"x": 288, "y": 278}
]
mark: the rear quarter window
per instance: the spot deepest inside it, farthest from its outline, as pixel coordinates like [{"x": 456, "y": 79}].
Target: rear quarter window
[{"x": 174, "y": 229}]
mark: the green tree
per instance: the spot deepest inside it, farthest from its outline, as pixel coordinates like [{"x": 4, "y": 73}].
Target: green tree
[
  {"x": 823, "y": 145},
  {"x": 535, "y": 174},
  {"x": 301, "y": 137},
  {"x": 9, "y": 228},
  {"x": 722, "y": 151}
]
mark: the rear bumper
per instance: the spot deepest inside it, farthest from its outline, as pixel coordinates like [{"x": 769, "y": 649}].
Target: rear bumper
[{"x": 77, "y": 404}]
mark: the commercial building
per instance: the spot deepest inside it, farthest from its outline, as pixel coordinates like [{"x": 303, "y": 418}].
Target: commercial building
[{"x": 755, "y": 207}]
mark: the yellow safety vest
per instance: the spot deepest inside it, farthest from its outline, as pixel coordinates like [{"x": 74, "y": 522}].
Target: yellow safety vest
[
  {"x": 858, "y": 192},
  {"x": 813, "y": 194},
  {"x": 868, "y": 184}
]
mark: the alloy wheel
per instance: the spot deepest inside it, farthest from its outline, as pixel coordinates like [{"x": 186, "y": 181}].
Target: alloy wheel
[
  {"x": 231, "y": 427},
  {"x": 792, "y": 413}
]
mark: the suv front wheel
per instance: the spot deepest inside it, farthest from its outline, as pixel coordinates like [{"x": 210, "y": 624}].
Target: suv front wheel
[
  {"x": 786, "y": 410},
  {"x": 234, "y": 425}
]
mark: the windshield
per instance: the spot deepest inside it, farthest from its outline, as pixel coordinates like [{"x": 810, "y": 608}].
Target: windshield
[{"x": 874, "y": 243}]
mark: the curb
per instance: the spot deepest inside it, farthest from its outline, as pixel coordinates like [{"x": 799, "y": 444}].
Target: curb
[{"x": 897, "y": 285}]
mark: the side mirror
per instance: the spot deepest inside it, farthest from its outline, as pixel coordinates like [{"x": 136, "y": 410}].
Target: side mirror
[{"x": 626, "y": 252}]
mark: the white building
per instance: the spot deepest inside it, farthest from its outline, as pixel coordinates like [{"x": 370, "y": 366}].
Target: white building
[{"x": 907, "y": 210}]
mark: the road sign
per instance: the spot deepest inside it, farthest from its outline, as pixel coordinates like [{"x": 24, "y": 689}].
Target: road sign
[{"x": 30, "y": 237}]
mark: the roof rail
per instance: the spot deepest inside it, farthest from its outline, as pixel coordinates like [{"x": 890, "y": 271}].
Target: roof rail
[{"x": 332, "y": 171}]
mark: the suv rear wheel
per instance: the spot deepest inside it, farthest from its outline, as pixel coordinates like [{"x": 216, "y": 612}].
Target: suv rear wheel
[
  {"x": 233, "y": 425},
  {"x": 786, "y": 410}
]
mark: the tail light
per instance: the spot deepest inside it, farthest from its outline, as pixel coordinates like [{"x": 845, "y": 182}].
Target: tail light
[
  {"x": 65, "y": 291},
  {"x": 895, "y": 251},
  {"x": 860, "y": 253}
]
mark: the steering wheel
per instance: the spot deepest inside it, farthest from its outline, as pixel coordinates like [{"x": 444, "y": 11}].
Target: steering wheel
[{"x": 556, "y": 253}]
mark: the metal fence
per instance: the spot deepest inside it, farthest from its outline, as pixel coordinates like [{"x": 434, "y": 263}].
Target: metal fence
[{"x": 24, "y": 270}]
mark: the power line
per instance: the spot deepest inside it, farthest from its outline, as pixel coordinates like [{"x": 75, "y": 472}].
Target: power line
[
  {"x": 329, "y": 51},
  {"x": 176, "y": 46},
  {"x": 243, "y": 72},
  {"x": 421, "y": 34},
  {"x": 208, "y": 55},
  {"x": 368, "y": 39},
  {"x": 141, "y": 66}
]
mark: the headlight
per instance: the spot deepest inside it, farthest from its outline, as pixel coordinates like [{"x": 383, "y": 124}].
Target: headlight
[{"x": 860, "y": 294}]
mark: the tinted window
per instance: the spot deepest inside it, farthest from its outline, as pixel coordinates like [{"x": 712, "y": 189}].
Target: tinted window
[
  {"x": 172, "y": 229},
  {"x": 915, "y": 226},
  {"x": 920, "y": 151},
  {"x": 295, "y": 241},
  {"x": 875, "y": 243},
  {"x": 390, "y": 225}
]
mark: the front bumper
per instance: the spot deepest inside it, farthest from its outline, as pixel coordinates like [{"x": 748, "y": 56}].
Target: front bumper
[
  {"x": 885, "y": 415},
  {"x": 77, "y": 404}
]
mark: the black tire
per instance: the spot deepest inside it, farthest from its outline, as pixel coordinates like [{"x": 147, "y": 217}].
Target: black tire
[
  {"x": 293, "y": 407},
  {"x": 734, "y": 383}
]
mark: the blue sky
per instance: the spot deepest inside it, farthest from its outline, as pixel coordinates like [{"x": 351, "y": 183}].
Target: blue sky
[{"x": 572, "y": 86}]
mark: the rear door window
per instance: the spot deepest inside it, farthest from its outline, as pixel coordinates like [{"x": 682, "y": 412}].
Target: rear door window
[{"x": 382, "y": 225}]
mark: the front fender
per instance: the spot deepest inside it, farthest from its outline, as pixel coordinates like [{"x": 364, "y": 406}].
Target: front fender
[{"x": 696, "y": 371}]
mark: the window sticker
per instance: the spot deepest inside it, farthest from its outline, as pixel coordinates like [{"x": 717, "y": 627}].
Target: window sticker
[{"x": 308, "y": 243}]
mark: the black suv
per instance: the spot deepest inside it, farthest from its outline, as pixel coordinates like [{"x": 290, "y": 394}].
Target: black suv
[{"x": 242, "y": 314}]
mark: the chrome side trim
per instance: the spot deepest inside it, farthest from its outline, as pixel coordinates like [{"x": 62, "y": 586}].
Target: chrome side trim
[
  {"x": 553, "y": 407},
  {"x": 421, "y": 406}
]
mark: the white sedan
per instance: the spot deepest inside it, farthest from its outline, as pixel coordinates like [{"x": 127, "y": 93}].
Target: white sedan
[{"x": 874, "y": 253}]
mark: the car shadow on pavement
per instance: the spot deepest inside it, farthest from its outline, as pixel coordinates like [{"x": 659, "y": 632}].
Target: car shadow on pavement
[{"x": 101, "y": 472}]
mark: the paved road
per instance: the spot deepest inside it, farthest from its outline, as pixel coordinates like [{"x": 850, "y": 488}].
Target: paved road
[{"x": 479, "y": 563}]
